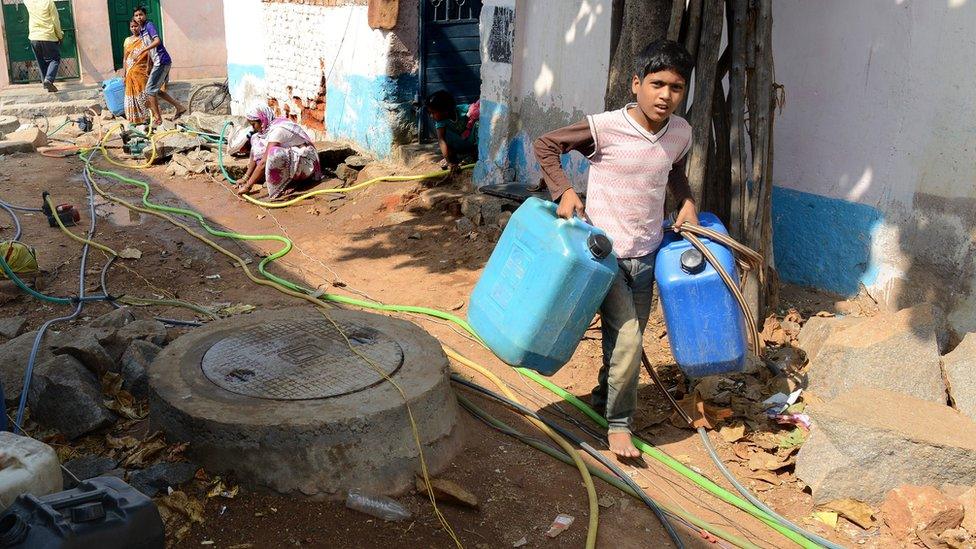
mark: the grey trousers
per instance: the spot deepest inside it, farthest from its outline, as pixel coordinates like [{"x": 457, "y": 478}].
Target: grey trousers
[{"x": 624, "y": 315}]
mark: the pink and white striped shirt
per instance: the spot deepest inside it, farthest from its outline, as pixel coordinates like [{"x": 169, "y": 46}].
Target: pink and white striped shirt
[{"x": 628, "y": 178}]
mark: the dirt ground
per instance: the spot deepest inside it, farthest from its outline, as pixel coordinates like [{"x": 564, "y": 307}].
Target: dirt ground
[{"x": 361, "y": 245}]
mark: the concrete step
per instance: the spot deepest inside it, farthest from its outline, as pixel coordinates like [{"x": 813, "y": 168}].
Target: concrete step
[
  {"x": 35, "y": 96},
  {"x": 27, "y": 111}
]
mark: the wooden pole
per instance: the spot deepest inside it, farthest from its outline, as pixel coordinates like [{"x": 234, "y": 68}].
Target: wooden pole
[
  {"x": 737, "y": 107},
  {"x": 677, "y": 11},
  {"x": 692, "y": 28},
  {"x": 701, "y": 116}
]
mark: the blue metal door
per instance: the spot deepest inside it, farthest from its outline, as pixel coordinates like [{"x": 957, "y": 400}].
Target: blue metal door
[{"x": 450, "y": 53}]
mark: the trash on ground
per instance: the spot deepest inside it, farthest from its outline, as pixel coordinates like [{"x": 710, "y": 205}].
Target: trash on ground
[
  {"x": 559, "y": 525},
  {"x": 380, "y": 507}
]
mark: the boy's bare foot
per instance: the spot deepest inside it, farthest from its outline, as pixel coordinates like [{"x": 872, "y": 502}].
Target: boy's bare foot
[
  {"x": 621, "y": 445},
  {"x": 179, "y": 112}
]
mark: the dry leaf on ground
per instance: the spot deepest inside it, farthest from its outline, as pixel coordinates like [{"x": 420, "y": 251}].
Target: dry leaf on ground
[{"x": 733, "y": 433}]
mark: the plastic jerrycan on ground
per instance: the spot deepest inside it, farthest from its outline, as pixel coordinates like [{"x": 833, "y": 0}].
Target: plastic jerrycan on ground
[
  {"x": 114, "y": 93},
  {"x": 542, "y": 285},
  {"x": 705, "y": 325}
]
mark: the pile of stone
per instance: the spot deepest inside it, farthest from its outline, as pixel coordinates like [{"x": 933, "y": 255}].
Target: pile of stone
[
  {"x": 894, "y": 421},
  {"x": 85, "y": 380}
]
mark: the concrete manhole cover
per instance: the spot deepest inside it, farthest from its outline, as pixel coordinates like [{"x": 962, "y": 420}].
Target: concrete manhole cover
[{"x": 300, "y": 360}]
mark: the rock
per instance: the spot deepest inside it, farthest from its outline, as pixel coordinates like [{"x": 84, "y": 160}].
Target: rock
[
  {"x": 153, "y": 480},
  {"x": 894, "y": 352},
  {"x": 464, "y": 225},
  {"x": 955, "y": 538},
  {"x": 213, "y": 123},
  {"x": 356, "y": 162},
  {"x": 87, "y": 467},
  {"x": 503, "y": 219},
  {"x": 32, "y": 135},
  {"x": 818, "y": 329},
  {"x": 175, "y": 169},
  {"x": 175, "y": 143},
  {"x": 65, "y": 396},
  {"x": 236, "y": 166},
  {"x": 13, "y": 147},
  {"x": 135, "y": 361},
  {"x": 332, "y": 154},
  {"x": 437, "y": 197},
  {"x": 82, "y": 343},
  {"x": 868, "y": 441},
  {"x": 115, "y": 319},
  {"x": 12, "y": 327},
  {"x": 920, "y": 510},
  {"x": 346, "y": 173},
  {"x": 28, "y": 466},
  {"x": 960, "y": 374},
  {"x": 14, "y": 355},
  {"x": 107, "y": 115},
  {"x": 191, "y": 165},
  {"x": 145, "y": 329},
  {"x": 968, "y": 501},
  {"x": 483, "y": 209},
  {"x": 415, "y": 236}
]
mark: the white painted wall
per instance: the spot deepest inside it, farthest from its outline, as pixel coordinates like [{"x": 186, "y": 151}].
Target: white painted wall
[
  {"x": 245, "y": 32},
  {"x": 562, "y": 54},
  {"x": 880, "y": 111}
]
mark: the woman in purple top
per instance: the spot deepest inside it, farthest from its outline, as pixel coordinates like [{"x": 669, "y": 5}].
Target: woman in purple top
[{"x": 159, "y": 73}]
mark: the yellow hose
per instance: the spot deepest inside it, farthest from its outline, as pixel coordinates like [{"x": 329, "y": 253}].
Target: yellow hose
[
  {"x": 364, "y": 184},
  {"x": 594, "y": 516}
]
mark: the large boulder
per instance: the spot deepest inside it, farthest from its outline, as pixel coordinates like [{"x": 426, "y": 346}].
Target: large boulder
[
  {"x": 14, "y": 356},
  {"x": 66, "y": 396},
  {"x": 175, "y": 143},
  {"x": 135, "y": 363},
  {"x": 86, "y": 467},
  {"x": 960, "y": 373},
  {"x": 12, "y": 327},
  {"x": 83, "y": 344},
  {"x": 157, "y": 478},
  {"x": 213, "y": 123},
  {"x": 895, "y": 352},
  {"x": 867, "y": 442},
  {"x": 9, "y": 146}
]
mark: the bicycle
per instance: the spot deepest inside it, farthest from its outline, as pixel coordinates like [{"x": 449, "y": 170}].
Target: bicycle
[{"x": 210, "y": 97}]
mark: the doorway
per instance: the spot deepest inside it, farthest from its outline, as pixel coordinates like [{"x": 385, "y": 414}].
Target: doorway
[
  {"x": 22, "y": 65},
  {"x": 450, "y": 53},
  {"x": 119, "y": 15}
]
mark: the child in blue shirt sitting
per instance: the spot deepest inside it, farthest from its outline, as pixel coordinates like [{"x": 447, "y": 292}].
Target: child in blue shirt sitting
[{"x": 457, "y": 128}]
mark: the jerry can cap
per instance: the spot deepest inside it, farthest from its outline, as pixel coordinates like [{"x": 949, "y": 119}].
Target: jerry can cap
[
  {"x": 599, "y": 245},
  {"x": 692, "y": 261}
]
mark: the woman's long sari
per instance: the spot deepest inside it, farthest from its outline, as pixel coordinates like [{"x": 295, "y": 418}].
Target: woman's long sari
[
  {"x": 293, "y": 160},
  {"x": 136, "y": 75}
]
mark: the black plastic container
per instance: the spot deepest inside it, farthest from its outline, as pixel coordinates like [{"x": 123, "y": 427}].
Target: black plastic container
[{"x": 102, "y": 512}]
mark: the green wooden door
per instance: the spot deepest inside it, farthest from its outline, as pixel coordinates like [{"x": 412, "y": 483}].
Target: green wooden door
[
  {"x": 23, "y": 67},
  {"x": 119, "y": 15}
]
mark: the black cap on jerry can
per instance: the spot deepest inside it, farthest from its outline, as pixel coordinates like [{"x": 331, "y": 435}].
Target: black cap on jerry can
[
  {"x": 692, "y": 261},
  {"x": 599, "y": 245}
]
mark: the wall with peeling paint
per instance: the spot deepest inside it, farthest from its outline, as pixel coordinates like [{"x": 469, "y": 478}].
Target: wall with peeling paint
[
  {"x": 244, "y": 21},
  {"x": 557, "y": 75},
  {"x": 324, "y": 67},
  {"x": 874, "y": 150}
]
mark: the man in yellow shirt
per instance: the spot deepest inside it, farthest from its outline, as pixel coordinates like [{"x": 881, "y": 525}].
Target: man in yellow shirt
[{"x": 45, "y": 38}]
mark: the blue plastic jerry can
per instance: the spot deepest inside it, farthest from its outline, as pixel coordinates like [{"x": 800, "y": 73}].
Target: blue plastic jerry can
[
  {"x": 705, "y": 324},
  {"x": 542, "y": 285},
  {"x": 114, "y": 92}
]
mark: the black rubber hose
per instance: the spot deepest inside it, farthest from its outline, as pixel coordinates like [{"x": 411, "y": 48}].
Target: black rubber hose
[{"x": 658, "y": 512}]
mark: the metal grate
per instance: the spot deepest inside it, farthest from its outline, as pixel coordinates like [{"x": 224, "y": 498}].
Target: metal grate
[{"x": 300, "y": 360}]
